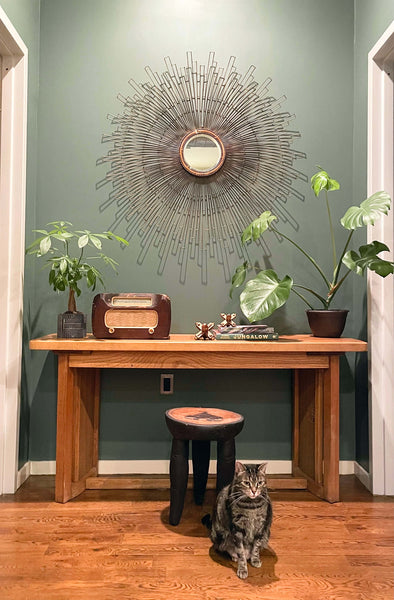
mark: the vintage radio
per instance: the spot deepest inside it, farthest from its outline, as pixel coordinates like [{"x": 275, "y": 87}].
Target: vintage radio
[{"x": 131, "y": 316}]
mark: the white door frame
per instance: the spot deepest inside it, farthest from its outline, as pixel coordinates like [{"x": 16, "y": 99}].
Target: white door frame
[
  {"x": 12, "y": 241},
  {"x": 381, "y": 291}
]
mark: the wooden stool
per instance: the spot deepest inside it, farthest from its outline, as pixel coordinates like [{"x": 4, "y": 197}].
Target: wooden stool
[{"x": 201, "y": 425}]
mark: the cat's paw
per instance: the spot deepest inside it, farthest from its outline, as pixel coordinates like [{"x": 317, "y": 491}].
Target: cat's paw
[
  {"x": 255, "y": 561},
  {"x": 234, "y": 557},
  {"x": 242, "y": 572}
]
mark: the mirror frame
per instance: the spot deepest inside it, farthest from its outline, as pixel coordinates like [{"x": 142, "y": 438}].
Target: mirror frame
[{"x": 216, "y": 138}]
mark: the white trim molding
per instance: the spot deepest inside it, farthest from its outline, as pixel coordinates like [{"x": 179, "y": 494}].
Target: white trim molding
[
  {"x": 12, "y": 240},
  {"x": 363, "y": 476},
  {"x": 381, "y": 291},
  {"x": 23, "y": 474},
  {"x": 162, "y": 467}
]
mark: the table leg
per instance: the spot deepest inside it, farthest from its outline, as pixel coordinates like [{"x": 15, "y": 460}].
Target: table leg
[
  {"x": 179, "y": 471},
  {"x": 77, "y": 428},
  {"x": 201, "y": 451},
  {"x": 225, "y": 463},
  {"x": 316, "y": 429},
  {"x": 331, "y": 431}
]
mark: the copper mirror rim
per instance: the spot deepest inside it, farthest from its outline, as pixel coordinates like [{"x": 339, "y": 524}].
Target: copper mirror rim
[{"x": 184, "y": 142}]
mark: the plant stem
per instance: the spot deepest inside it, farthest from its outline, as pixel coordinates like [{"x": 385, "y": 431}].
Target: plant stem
[
  {"x": 72, "y": 305},
  {"x": 302, "y": 297},
  {"x": 338, "y": 267},
  {"x": 334, "y": 252},
  {"x": 80, "y": 257},
  {"x": 312, "y": 260},
  {"x": 322, "y": 300},
  {"x": 338, "y": 285}
]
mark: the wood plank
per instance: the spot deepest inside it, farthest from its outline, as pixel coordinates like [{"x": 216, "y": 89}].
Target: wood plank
[
  {"x": 64, "y": 434},
  {"x": 196, "y": 360},
  {"x": 311, "y": 484},
  {"x": 86, "y": 409},
  {"x": 296, "y": 420},
  {"x": 318, "y": 417},
  {"x": 152, "y": 482},
  {"x": 331, "y": 431},
  {"x": 79, "y": 486},
  {"x": 181, "y": 342},
  {"x": 108, "y": 544},
  {"x": 306, "y": 422},
  {"x": 96, "y": 419}
]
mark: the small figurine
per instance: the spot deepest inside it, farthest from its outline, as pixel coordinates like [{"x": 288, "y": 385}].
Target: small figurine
[
  {"x": 228, "y": 320},
  {"x": 205, "y": 331}
]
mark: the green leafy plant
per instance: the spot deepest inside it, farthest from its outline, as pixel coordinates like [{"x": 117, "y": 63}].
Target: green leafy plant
[
  {"x": 267, "y": 291},
  {"x": 68, "y": 264}
]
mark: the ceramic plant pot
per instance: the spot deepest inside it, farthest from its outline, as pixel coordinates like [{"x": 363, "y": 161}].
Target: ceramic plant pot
[{"x": 327, "y": 323}]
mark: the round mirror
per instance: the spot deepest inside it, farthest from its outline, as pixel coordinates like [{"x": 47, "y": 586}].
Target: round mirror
[{"x": 202, "y": 152}]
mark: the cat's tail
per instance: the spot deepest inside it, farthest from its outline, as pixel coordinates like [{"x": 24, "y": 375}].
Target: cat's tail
[{"x": 207, "y": 521}]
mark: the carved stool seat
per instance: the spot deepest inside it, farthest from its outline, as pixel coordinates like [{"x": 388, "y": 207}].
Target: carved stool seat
[{"x": 201, "y": 426}]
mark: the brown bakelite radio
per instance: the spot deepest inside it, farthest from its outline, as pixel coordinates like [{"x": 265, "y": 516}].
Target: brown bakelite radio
[{"x": 131, "y": 316}]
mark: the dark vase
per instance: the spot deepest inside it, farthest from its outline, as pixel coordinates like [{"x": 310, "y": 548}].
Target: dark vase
[
  {"x": 71, "y": 325},
  {"x": 327, "y": 323}
]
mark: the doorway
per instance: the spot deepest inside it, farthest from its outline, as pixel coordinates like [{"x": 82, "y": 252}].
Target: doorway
[
  {"x": 13, "y": 127},
  {"x": 381, "y": 291}
]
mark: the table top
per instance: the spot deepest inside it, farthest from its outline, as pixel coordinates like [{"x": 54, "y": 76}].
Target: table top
[{"x": 184, "y": 342}]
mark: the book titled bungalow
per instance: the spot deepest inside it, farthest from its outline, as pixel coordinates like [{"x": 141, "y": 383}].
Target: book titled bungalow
[{"x": 254, "y": 333}]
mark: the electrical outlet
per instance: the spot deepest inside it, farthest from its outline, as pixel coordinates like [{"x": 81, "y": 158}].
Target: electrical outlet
[{"x": 166, "y": 383}]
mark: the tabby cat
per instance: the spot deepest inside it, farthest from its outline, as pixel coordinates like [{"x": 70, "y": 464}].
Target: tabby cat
[{"x": 242, "y": 517}]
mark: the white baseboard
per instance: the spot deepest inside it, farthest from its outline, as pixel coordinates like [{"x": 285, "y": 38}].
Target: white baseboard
[
  {"x": 42, "y": 467},
  {"x": 23, "y": 474},
  {"x": 363, "y": 476},
  {"x": 162, "y": 467},
  {"x": 346, "y": 467}
]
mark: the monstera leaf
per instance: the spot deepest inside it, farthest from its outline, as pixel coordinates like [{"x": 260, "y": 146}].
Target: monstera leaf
[
  {"x": 368, "y": 259},
  {"x": 239, "y": 277},
  {"x": 258, "y": 226},
  {"x": 368, "y": 211},
  {"x": 322, "y": 181},
  {"x": 264, "y": 294}
]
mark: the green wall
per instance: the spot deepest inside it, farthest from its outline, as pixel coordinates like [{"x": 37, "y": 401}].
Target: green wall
[
  {"x": 25, "y": 17},
  {"x": 371, "y": 19},
  {"x": 88, "y": 52}
]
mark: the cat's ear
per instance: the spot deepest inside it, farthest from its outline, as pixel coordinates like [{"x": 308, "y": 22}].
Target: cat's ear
[
  {"x": 262, "y": 468},
  {"x": 239, "y": 467}
]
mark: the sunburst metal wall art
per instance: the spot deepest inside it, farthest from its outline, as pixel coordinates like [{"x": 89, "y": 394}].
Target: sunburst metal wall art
[{"x": 198, "y": 153}]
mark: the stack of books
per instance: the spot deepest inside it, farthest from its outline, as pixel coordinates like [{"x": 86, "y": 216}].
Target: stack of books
[{"x": 255, "y": 333}]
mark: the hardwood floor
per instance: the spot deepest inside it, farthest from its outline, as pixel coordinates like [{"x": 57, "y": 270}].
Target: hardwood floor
[{"x": 110, "y": 544}]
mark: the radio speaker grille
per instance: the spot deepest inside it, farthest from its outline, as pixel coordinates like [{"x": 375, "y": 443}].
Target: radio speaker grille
[{"x": 120, "y": 319}]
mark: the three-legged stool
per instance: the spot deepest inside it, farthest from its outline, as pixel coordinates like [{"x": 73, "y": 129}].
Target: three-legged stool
[{"x": 201, "y": 426}]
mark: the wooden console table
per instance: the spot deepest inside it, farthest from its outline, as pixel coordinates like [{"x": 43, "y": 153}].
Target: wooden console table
[{"x": 314, "y": 361}]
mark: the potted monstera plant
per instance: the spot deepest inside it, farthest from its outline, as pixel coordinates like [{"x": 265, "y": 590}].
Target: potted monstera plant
[
  {"x": 65, "y": 253},
  {"x": 267, "y": 291}
]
